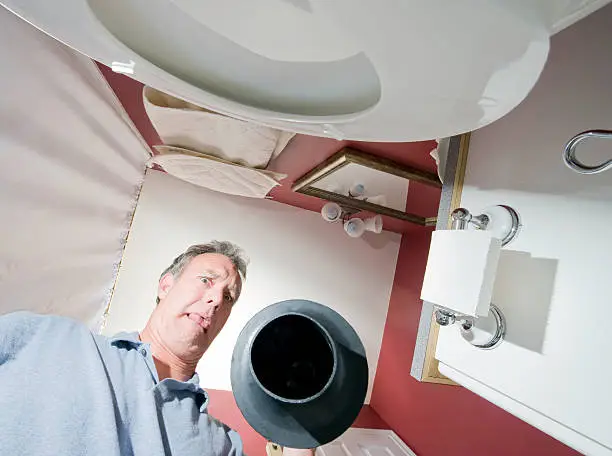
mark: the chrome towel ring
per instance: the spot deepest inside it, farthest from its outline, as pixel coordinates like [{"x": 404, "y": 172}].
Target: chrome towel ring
[{"x": 569, "y": 154}]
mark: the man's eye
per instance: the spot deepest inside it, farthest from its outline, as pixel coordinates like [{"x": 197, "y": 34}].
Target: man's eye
[
  {"x": 204, "y": 279},
  {"x": 228, "y": 298}
]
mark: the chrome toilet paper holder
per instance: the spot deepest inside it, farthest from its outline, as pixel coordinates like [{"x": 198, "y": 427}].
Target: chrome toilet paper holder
[
  {"x": 446, "y": 317},
  {"x": 505, "y": 224}
]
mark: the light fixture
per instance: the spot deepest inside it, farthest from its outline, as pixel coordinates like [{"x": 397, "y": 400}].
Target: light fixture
[
  {"x": 331, "y": 212},
  {"x": 354, "y": 226},
  {"x": 356, "y": 190},
  {"x": 374, "y": 224}
]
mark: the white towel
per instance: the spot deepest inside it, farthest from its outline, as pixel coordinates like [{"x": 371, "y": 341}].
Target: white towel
[
  {"x": 183, "y": 124},
  {"x": 215, "y": 173},
  {"x": 439, "y": 154}
]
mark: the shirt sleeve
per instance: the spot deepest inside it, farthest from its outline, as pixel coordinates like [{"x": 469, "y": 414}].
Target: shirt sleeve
[
  {"x": 225, "y": 441},
  {"x": 236, "y": 440},
  {"x": 17, "y": 329}
]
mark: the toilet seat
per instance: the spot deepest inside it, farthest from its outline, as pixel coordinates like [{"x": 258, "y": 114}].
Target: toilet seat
[{"x": 394, "y": 70}]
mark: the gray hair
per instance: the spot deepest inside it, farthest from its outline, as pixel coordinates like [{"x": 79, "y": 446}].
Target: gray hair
[{"x": 232, "y": 251}]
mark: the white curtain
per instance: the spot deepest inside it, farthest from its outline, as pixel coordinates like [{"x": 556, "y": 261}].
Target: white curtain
[{"x": 71, "y": 166}]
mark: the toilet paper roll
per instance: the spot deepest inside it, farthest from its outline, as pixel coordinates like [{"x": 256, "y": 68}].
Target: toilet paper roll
[{"x": 461, "y": 271}]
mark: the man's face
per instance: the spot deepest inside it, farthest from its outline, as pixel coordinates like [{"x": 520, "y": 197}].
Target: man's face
[{"x": 194, "y": 306}]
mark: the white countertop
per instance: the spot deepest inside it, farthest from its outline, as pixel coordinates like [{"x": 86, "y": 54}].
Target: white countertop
[{"x": 553, "y": 282}]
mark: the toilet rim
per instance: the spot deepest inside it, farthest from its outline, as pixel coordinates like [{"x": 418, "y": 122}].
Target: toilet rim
[{"x": 390, "y": 119}]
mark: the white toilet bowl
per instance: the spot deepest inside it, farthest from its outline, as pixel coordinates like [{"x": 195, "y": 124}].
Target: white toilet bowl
[{"x": 384, "y": 70}]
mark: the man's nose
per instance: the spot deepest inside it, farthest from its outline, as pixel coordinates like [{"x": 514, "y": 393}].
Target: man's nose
[{"x": 215, "y": 297}]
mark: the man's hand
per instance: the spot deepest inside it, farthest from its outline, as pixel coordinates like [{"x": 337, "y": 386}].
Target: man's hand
[
  {"x": 298, "y": 452},
  {"x": 273, "y": 449}
]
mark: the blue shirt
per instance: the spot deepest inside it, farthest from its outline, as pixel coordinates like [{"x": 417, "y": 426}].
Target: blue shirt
[{"x": 66, "y": 391}]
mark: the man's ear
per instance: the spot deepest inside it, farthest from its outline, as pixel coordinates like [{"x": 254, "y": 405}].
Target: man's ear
[{"x": 165, "y": 284}]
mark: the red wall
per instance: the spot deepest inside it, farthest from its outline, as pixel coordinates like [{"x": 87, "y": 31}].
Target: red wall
[
  {"x": 129, "y": 93},
  {"x": 433, "y": 419},
  {"x": 223, "y": 407}
]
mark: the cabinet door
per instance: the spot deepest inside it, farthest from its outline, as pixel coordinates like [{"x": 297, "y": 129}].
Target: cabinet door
[{"x": 366, "y": 442}]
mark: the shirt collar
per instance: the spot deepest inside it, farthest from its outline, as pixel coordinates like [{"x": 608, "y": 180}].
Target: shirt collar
[{"x": 193, "y": 384}]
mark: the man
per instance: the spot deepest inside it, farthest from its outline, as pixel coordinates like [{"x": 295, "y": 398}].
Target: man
[{"x": 66, "y": 391}]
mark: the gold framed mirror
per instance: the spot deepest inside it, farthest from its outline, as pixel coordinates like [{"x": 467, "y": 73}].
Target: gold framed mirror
[{"x": 386, "y": 183}]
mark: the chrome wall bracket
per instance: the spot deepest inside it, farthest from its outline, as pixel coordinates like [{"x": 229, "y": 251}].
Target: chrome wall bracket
[
  {"x": 485, "y": 340},
  {"x": 501, "y": 220},
  {"x": 478, "y": 338}
]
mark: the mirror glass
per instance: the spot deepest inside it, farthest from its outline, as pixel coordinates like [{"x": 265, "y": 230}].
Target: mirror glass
[{"x": 378, "y": 187}]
